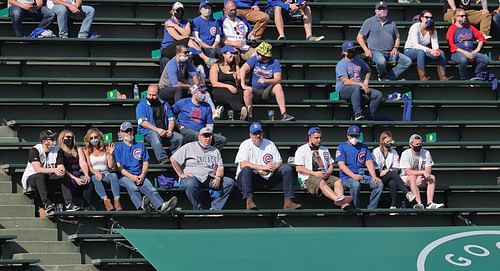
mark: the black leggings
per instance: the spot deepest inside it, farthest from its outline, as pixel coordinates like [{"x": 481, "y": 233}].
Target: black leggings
[
  {"x": 40, "y": 181},
  {"x": 394, "y": 182},
  {"x": 225, "y": 97}
]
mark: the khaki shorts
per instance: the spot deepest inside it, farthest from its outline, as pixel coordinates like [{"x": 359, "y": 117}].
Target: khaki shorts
[{"x": 312, "y": 184}]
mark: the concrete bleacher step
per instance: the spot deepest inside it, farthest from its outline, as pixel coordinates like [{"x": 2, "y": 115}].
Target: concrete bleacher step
[
  {"x": 51, "y": 258},
  {"x": 20, "y": 247},
  {"x": 17, "y": 210},
  {"x": 14, "y": 199},
  {"x": 32, "y": 234},
  {"x": 65, "y": 267},
  {"x": 5, "y": 187},
  {"x": 26, "y": 223}
]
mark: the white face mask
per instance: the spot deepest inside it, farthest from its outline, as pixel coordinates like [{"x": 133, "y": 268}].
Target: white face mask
[
  {"x": 205, "y": 146},
  {"x": 94, "y": 141},
  {"x": 128, "y": 138},
  {"x": 201, "y": 97},
  {"x": 205, "y": 12},
  {"x": 183, "y": 58},
  {"x": 353, "y": 141}
]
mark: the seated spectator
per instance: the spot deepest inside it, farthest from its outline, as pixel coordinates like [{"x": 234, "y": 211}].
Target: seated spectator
[
  {"x": 416, "y": 170},
  {"x": 193, "y": 114},
  {"x": 460, "y": 37},
  {"x": 101, "y": 163},
  {"x": 132, "y": 161},
  {"x": 352, "y": 156},
  {"x": 281, "y": 11},
  {"x": 156, "y": 121},
  {"x": 265, "y": 80},
  {"x": 76, "y": 11},
  {"x": 236, "y": 30},
  {"x": 421, "y": 35},
  {"x": 387, "y": 167},
  {"x": 352, "y": 87},
  {"x": 20, "y": 9},
  {"x": 207, "y": 30},
  {"x": 496, "y": 23},
  {"x": 177, "y": 77},
  {"x": 177, "y": 31},
  {"x": 77, "y": 171},
  {"x": 260, "y": 166},
  {"x": 45, "y": 170},
  {"x": 225, "y": 81},
  {"x": 382, "y": 36},
  {"x": 250, "y": 10},
  {"x": 314, "y": 165},
  {"x": 199, "y": 166},
  {"x": 476, "y": 17}
]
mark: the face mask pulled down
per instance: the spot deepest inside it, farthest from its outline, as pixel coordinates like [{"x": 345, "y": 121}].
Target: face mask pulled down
[{"x": 381, "y": 13}]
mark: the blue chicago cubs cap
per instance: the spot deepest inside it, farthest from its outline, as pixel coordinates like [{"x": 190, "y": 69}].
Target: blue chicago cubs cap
[
  {"x": 228, "y": 48},
  {"x": 204, "y": 3},
  {"x": 313, "y": 130},
  {"x": 348, "y": 45},
  {"x": 353, "y": 130},
  {"x": 193, "y": 51},
  {"x": 255, "y": 127}
]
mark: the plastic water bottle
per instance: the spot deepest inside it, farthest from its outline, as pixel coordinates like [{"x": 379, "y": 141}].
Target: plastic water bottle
[{"x": 136, "y": 92}]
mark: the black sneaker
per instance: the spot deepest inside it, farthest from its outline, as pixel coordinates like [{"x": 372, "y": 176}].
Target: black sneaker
[
  {"x": 168, "y": 206},
  {"x": 50, "y": 209},
  {"x": 287, "y": 117},
  {"x": 70, "y": 207},
  {"x": 146, "y": 204},
  {"x": 359, "y": 117}
]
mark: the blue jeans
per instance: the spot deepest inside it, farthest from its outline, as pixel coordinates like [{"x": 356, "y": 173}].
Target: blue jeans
[
  {"x": 358, "y": 98},
  {"x": 86, "y": 15},
  {"x": 135, "y": 192},
  {"x": 156, "y": 141},
  {"x": 194, "y": 187},
  {"x": 381, "y": 58},
  {"x": 112, "y": 180},
  {"x": 247, "y": 179},
  {"x": 462, "y": 61},
  {"x": 420, "y": 56},
  {"x": 355, "y": 186},
  {"x": 17, "y": 14},
  {"x": 191, "y": 135},
  {"x": 495, "y": 26}
]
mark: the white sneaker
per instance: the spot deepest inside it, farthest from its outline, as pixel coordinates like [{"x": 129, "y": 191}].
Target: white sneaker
[
  {"x": 433, "y": 205},
  {"x": 392, "y": 208},
  {"x": 418, "y": 206},
  {"x": 243, "y": 113},
  {"x": 410, "y": 196},
  {"x": 218, "y": 112},
  {"x": 487, "y": 37}
]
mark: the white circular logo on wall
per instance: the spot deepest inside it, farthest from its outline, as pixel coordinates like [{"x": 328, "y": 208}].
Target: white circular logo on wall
[{"x": 471, "y": 250}]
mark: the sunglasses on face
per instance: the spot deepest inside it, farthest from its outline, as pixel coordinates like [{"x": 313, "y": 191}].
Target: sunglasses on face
[
  {"x": 94, "y": 137},
  {"x": 428, "y": 17},
  {"x": 463, "y": 16},
  {"x": 128, "y": 131},
  {"x": 206, "y": 135}
]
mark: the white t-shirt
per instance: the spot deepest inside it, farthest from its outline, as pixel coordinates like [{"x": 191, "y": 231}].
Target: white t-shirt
[
  {"x": 410, "y": 159},
  {"x": 50, "y": 4},
  {"x": 390, "y": 162},
  {"x": 266, "y": 153},
  {"x": 315, "y": 160}
]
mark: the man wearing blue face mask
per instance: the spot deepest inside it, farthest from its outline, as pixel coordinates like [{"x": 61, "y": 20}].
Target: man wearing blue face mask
[
  {"x": 193, "y": 114},
  {"x": 200, "y": 165},
  {"x": 379, "y": 38},
  {"x": 352, "y": 156}
]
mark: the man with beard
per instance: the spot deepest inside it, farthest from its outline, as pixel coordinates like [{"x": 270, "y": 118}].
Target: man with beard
[
  {"x": 157, "y": 122},
  {"x": 132, "y": 162},
  {"x": 351, "y": 87},
  {"x": 199, "y": 165},
  {"x": 314, "y": 164},
  {"x": 260, "y": 165}
]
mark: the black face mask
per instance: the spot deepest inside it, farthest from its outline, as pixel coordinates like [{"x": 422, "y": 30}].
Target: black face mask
[
  {"x": 231, "y": 14},
  {"x": 179, "y": 13},
  {"x": 351, "y": 54},
  {"x": 388, "y": 146},
  {"x": 154, "y": 102},
  {"x": 69, "y": 143},
  {"x": 416, "y": 148}
]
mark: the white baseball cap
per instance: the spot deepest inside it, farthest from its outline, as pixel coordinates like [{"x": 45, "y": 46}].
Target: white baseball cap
[{"x": 177, "y": 5}]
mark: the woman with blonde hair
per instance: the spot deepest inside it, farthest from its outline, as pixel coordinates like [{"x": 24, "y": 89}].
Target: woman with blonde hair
[
  {"x": 101, "y": 162},
  {"x": 77, "y": 170},
  {"x": 387, "y": 168}
]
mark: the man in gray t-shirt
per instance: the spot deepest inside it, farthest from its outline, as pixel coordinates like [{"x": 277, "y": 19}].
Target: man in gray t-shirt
[
  {"x": 382, "y": 36},
  {"x": 199, "y": 165}
]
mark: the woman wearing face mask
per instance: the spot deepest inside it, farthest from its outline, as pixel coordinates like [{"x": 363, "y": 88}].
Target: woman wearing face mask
[
  {"x": 387, "y": 167},
  {"x": 207, "y": 30},
  {"x": 461, "y": 36},
  {"x": 100, "y": 161},
  {"x": 225, "y": 80},
  {"x": 77, "y": 170},
  {"x": 421, "y": 35}
]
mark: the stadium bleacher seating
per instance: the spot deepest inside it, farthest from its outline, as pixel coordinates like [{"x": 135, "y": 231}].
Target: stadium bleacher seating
[{"x": 55, "y": 83}]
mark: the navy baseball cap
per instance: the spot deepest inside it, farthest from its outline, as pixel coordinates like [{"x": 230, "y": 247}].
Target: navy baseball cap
[
  {"x": 381, "y": 4},
  {"x": 348, "y": 45},
  {"x": 228, "y": 48},
  {"x": 204, "y": 4},
  {"x": 255, "y": 127},
  {"x": 193, "y": 51},
  {"x": 47, "y": 134},
  {"x": 313, "y": 130},
  {"x": 125, "y": 126},
  {"x": 353, "y": 130}
]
